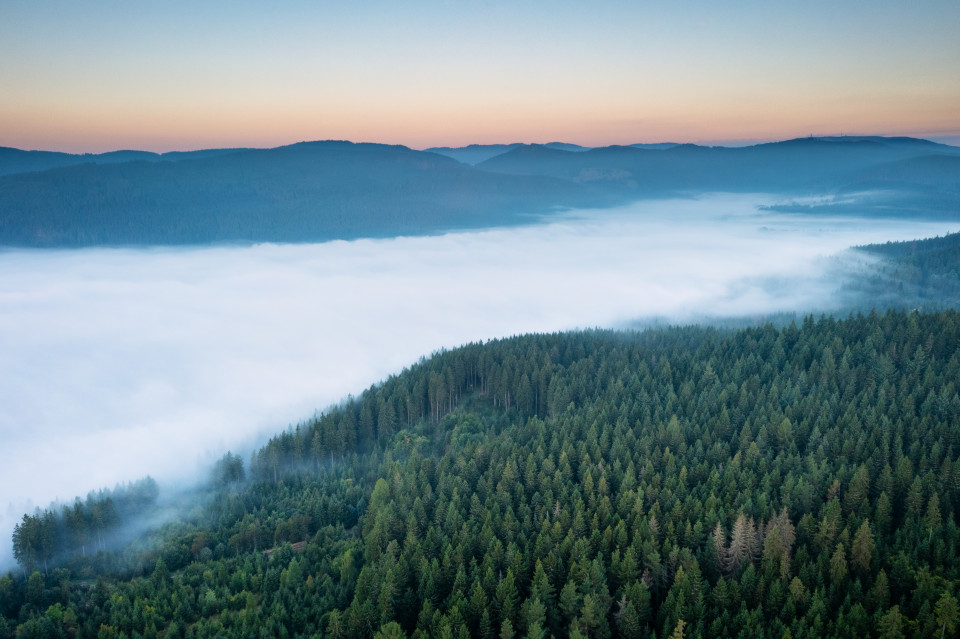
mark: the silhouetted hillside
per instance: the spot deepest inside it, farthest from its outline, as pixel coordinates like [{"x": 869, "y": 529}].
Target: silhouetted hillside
[
  {"x": 18, "y": 161},
  {"x": 934, "y": 172},
  {"x": 303, "y": 192},
  {"x": 801, "y": 165},
  {"x": 926, "y": 186},
  {"x": 655, "y": 145},
  {"x": 473, "y": 153},
  {"x": 328, "y": 190}
]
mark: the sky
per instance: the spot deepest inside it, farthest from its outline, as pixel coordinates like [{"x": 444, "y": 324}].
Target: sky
[
  {"x": 103, "y": 75},
  {"x": 118, "y": 363}
]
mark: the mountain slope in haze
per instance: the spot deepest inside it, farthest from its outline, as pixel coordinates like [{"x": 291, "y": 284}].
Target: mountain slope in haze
[
  {"x": 339, "y": 190},
  {"x": 925, "y": 186},
  {"x": 18, "y": 161},
  {"x": 936, "y": 174},
  {"x": 805, "y": 164},
  {"x": 654, "y": 145},
  {"x": 475, "y": 153},
  {"x": 762, "y": 482},
  {"x": 304, "y": 192},
  {"x": 921, "y": 274}
]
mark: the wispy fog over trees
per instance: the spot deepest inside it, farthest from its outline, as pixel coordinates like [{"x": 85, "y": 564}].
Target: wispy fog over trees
[
  {"x": 793, "y": 482},
  {"x": 921, "y": 274},
  {"x": 798, "y": 480},
  {"x": 89, "y": 526}
]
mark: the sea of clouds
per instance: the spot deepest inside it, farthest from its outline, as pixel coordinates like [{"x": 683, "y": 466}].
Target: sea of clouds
[{"x": 118, "y": 363}]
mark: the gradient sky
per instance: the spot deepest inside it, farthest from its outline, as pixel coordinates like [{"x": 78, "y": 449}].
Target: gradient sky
[{"x": 102, "y": 75}]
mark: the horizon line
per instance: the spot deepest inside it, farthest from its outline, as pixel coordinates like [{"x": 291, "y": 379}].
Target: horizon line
[{"x": 954, "y": 140}]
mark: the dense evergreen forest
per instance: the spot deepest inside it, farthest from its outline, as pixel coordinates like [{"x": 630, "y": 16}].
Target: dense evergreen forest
[
  {"x": 922, "y": 274},
  {"x": 687, "y": 482},
  {"x": 104, "y": 520}
]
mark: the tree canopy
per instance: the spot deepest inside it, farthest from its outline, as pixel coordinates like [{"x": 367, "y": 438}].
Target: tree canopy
[{"x": 692, "y": 482}]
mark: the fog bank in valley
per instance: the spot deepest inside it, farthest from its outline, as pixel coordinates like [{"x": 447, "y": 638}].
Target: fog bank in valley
[{"x": 120, "y": 363}]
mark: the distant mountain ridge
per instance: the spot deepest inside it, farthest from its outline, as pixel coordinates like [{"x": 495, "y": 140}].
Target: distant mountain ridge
[
  {"x": 19, "y": 161},
  {"x": 475, "y": 153},
  {"x": 309, "y": 191},
  {"x": 791, "y": 164},
  {"x": 315, "y": 191}
]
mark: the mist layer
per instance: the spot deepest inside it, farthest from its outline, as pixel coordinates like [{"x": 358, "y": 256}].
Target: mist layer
[{"x": 120, "y": 363}]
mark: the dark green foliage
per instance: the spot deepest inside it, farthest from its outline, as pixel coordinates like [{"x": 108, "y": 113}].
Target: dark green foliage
[
  {"x": 227, "y": 470},
  {"x": 798, "y": 482},
  {"x": 70, "y": 532},
  {"x": 920, "y": 273}
]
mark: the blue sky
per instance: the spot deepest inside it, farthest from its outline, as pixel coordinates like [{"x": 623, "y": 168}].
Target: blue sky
[{"x": 97, "y": 76}]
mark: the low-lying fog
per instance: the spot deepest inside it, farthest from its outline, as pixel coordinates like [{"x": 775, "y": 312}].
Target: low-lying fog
[{"x": 119, "y": 363}]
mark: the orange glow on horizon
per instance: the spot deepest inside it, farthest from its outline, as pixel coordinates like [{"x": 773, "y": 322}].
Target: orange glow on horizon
[
  {"x": 89, "y": 78},
  {"x": 94, "y": 133}
]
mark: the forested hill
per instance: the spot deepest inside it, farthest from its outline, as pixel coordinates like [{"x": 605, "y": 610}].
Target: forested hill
[
  {"x": 940, "y": 254},
  {"x": 304, "y": 192},
  {"x": 689, "y": 482},
  {"x": 919, "y": 274},
  {"x": 20, "y": 161},
  {"x": 804, "y": 164},
  {"x": 338, "y": 190}
]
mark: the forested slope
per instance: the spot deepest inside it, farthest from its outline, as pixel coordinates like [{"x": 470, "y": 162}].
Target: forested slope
[
  {"x": 916, "y": 274},
  {"x": 820, "y": 165},
  {"x": 14, "y": 161},
  {"x": 802, "y": 482},
  {"x": 317, "y": 191},
  {"x": 313, "y": 191}
]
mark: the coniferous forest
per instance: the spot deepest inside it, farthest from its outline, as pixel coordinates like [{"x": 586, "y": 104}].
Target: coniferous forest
[
  {"x": 685, "y": 482},
  {"x": 279, "y": 283}
]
